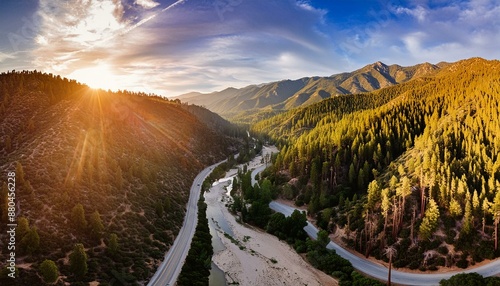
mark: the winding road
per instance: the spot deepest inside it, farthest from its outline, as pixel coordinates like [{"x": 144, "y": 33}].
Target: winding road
[
  {"x": 379, "y": 271},
  {"x": 171, "y": 267}
]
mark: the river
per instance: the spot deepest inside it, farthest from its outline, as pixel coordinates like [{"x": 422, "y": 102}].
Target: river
[
  {"x": 220, "y": 190},
  {"x": 217, "y": 224}
]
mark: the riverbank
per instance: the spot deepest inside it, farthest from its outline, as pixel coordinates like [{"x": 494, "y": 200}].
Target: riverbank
[{"x": 254, "y": 257}]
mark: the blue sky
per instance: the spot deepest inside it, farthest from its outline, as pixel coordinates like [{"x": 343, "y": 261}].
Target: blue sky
[{"x": 171, "y": 47}]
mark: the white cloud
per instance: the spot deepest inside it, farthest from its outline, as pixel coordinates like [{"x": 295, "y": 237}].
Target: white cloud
[
  {"x": 443, "y": 31},
  {"x": 418, "y": 12},
  {"x": 148, "y": 4},
  {"x": 308, "y": 7},
  {"x": 76, "y": 39},
  {"x": 70, "y": 26},
  {"x": 413, "y": 42}
]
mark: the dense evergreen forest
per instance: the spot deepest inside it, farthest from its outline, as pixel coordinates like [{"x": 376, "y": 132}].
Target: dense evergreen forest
[
  {"x": 251, "y": 205},
  {"x": 413, "y": 166},
  {"x": 102, "y": 178}
]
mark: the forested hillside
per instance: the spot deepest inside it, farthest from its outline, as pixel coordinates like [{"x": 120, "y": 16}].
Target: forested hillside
[
  {"x": 255, "y": 102},
  {"x": 102, "y": 178},
  {"x": 413, "y": 166}
]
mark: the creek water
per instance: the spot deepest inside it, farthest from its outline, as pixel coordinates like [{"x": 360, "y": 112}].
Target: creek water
[
  {"x": 217, "y": 276},
  {"x": 217, "y": 221}
]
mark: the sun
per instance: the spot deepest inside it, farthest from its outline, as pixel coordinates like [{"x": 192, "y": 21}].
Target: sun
[{"x": 99, "y": 76}]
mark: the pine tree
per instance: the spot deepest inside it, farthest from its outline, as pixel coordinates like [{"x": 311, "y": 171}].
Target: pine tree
[
  {"x": 30, "y": 242},
  {"x": 20, "y": 174},
  {"x": 455, "y": 208},
  {"x": 486, "y": 210},
  {"x": 373, "y": 194},
  {"x": 96, "y": 226},
  {"x": 23, "y": 227},
  {"x": 361, "y": 179},
  {"x": 403, "y": 191},
  {"x": 352, "y": 174},
  {"x": 113, "y": 243},
  {"x": 495, "y": 209},
  {"x": 429, "y": 223},
  {"x": 386, "y": 206},
  {"x": 78, "y": 217},
  {"x": 48, "y": 270},
  {"x": 393, "y": 182},
  {"x": 475, "y": 202},
  {"x": 314, "y": 173},
  {"x": 467, "y": 223},
  {"x": 78, "y": 261}
]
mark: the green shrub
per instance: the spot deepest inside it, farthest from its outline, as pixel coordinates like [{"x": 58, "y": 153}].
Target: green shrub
[{"x": 48, "y": 270}]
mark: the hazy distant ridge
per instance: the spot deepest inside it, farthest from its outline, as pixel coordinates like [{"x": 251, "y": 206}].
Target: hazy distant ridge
[{"x": 287, "y": 94}]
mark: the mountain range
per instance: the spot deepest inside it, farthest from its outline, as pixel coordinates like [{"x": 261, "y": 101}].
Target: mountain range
[{"x": 244, "y": 103}]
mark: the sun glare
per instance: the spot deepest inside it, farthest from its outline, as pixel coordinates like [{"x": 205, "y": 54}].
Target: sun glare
[{"x": 99, "y": 76}]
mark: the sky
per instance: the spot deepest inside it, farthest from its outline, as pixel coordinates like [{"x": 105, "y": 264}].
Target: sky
[{"x": 173, "y": 47}]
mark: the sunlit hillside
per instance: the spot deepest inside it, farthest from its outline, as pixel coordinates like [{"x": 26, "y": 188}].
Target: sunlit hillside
[
  {"x": 414, "y": 166},
  {"x": 91, "y": 163}
]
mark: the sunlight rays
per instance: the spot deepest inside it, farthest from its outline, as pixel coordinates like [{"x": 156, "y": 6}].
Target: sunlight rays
[
  {"x": 153, "y": 127},
  {"x": 90, "y": 154},
  {"x": 98, "y": 111}
]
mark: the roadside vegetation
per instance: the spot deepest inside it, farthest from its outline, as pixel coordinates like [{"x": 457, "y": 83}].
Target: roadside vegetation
[
  {"x": 196, "y": 269},
  {"x": 470, "y": 279}
]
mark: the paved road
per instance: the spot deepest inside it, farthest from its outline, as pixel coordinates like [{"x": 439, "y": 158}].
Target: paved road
[
  {"x": 378, "y": 270},
  {"x": 170, "y": 268}
]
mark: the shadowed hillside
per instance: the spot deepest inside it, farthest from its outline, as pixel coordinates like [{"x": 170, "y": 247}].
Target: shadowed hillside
[{"x": 91, "y": 163}]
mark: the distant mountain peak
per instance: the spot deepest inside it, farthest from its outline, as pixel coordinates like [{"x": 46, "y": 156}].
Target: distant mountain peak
[
  {"x": 380, "y": 67},
  {"x": 286, "y": 94}
]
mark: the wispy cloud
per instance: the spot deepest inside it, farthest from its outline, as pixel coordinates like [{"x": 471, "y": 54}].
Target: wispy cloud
[
  {"x": 5, "y": 57},
  {"x": 77, "y": 38},
  {"x": 170, "y": 47},
  {"x": 189, "y": 49},
  {"x": 71, "y": 31},
  {"x": 449, "y": 31},
  {"x": 418, "y": 12}
]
